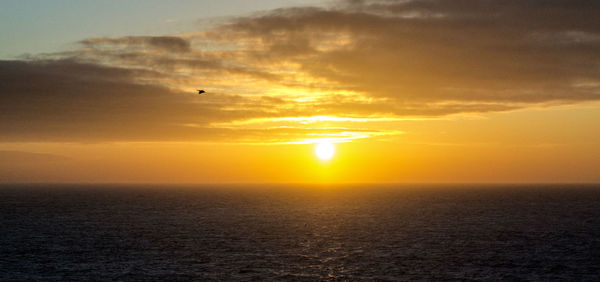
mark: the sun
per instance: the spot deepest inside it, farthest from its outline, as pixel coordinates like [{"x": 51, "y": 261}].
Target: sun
[{"x": 325, "y": 150}]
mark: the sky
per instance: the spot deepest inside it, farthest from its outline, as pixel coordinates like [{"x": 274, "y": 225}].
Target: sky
[{"x": 406, "y": 91}]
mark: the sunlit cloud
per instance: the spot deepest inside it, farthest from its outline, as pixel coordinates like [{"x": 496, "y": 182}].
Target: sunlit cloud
[
  {"x": 284, "y": 76},
  {"x": 314, "y": 119}
]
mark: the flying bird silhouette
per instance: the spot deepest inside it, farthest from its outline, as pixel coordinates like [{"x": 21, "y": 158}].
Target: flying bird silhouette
[{"x": 200, "y": 91}]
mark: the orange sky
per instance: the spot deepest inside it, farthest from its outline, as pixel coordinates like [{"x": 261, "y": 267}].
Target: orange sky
[{"x": 415, "y": 91}]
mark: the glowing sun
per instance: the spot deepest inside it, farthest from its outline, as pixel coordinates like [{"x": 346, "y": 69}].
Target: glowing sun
[{"x": 325, "y": 150}]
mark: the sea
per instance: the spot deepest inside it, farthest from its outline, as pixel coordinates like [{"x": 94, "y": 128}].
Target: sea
[{"x": 299, "y": 232}]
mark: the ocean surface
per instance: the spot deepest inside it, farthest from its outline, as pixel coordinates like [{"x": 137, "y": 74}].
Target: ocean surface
[{"x": 355, "y": 232}]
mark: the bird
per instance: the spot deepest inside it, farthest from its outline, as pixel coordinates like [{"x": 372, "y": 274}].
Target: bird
[{"x": 200, "y": 91}]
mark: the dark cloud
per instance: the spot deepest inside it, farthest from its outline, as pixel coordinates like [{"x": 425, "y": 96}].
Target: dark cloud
[
  {"x": 165, "y": 43},
  {"x": 444, "y": 50},
  {"x": 65, "y": 100}
]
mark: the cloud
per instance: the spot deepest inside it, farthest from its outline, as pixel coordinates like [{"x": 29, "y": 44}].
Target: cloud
[
  {"x": 65, "y": 100},
  {"x": 375, "y": 59},
  {"x": 164, "y": 43},
  {"x": 469, "y": 51},
  {"x": 19, "y": 157}
]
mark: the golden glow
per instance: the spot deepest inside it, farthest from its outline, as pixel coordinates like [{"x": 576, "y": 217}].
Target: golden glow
[
  {"x": 282, "y": 98},
  {"x": 325, "y": 150},
  {"x": 454, "y": 150},
  {"x": 314, "y": 119}
]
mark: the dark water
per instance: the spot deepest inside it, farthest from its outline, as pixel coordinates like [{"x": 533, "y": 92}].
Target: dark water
[{"x": 299, "y": 233}]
